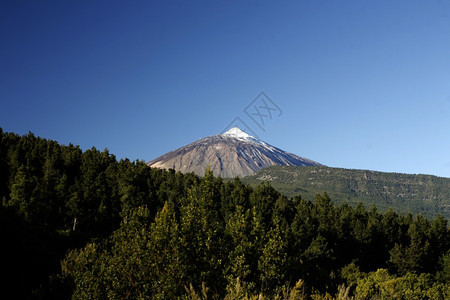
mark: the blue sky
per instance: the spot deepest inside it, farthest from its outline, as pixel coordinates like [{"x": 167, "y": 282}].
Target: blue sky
[{"x": 361, "y": 84}]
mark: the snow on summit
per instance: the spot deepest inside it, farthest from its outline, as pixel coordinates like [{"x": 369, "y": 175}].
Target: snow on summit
[{"x": 238, "y": 133}]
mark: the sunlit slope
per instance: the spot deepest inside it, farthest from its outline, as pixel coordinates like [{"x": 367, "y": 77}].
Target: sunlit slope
[{"x": 426, "y": 194}]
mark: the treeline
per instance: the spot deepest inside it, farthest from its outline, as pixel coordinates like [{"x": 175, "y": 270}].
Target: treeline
[
  {"x": 54, "y": 198},
  {"x": 122, "y": 230},
  {"x": 419, "y": 194}
]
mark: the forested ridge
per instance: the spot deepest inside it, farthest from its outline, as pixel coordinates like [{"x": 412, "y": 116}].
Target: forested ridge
[
  {"x": 83, "y": 225},
  {"x": 425, "y": 194}
]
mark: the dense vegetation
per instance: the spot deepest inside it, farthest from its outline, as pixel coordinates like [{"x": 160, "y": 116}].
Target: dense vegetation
[
  {"x": 424, "y": 194},
  {"x": 83, "y": 225}
]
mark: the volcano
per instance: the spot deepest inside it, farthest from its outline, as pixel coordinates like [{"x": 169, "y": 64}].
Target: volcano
[{"x": 233, "y": 153}]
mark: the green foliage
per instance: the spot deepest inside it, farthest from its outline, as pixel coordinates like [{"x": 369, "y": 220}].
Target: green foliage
[
  {"x": 93, "y": 227},
  {"x": 201, "y": 238},
  {"x": 416, "y": 255},
  {"x": 443, "y": 274},
  {"x": 142, "y": 260},
  {"x": 418, "y": 194},
  {"x": 351, "y": 274},
  {"x": 238, "y": 232},
  {"x": 86, "y": 268},
  {"x": 21, "y": 197},
  {"x": 77, "y": 195},
  {"x": 272, "y": 262},
  {"x": 382, "y": 285}
]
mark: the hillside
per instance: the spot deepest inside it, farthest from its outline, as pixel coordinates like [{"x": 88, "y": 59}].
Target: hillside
[{"x": 426, "y": 194}]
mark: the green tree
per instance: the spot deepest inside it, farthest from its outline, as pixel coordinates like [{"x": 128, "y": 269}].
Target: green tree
[
  {"x": 21, "y": 196},
  {"x": 317, "y": 263},
  {"x": 271, "y": 264},
  {"x": 443, "y": 274},
  {"x": 376, "y": 285},
  {"x": 382, "y": 285},
  {"x": 167, "y": 262},
  {"x": 128, "y": 274},
  {"x": 238, "y": 232},
  {"x": 202, "y": 235},
  {"x": 415, "y": 256},
  {"x": 86, "y": 269}
]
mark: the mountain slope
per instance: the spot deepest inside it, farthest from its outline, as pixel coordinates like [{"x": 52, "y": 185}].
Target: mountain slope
[
  {"x": 424, "y": 194},
  {"x": 234, "y": 153}
]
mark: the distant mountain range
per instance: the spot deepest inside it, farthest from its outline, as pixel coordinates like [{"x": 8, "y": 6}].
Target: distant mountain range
[
  {"x": 426, "y": 194},
  {"x": 233, "y": 153}
]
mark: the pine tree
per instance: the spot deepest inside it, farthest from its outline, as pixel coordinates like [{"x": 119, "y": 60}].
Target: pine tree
[
  {"x": 414, "y": 256},
  {"x": 21, "y": 196},
  {"x": 238, "y": 228},
  {"x": 167, "y": 265},
  {"x": 202, "y": 235},
  {"x": 271, "y": 264}
]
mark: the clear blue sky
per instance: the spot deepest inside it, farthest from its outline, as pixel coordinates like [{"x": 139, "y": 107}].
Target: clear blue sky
[{"x": 361, "y": 84}]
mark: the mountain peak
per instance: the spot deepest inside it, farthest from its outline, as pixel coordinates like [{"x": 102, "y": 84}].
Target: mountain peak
[
  {"x": 238, "y": 133},
  {"x": 230, "y": 154}
]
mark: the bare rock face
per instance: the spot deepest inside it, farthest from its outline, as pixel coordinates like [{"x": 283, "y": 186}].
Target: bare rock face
[{"x": 234, "y": 153}]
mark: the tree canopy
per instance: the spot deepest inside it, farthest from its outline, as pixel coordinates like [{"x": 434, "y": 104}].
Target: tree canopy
[{"x": 83, "y": 225}]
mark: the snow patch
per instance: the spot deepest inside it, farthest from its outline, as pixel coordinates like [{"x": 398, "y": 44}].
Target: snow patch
[{"x": 238, "y": 134}]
